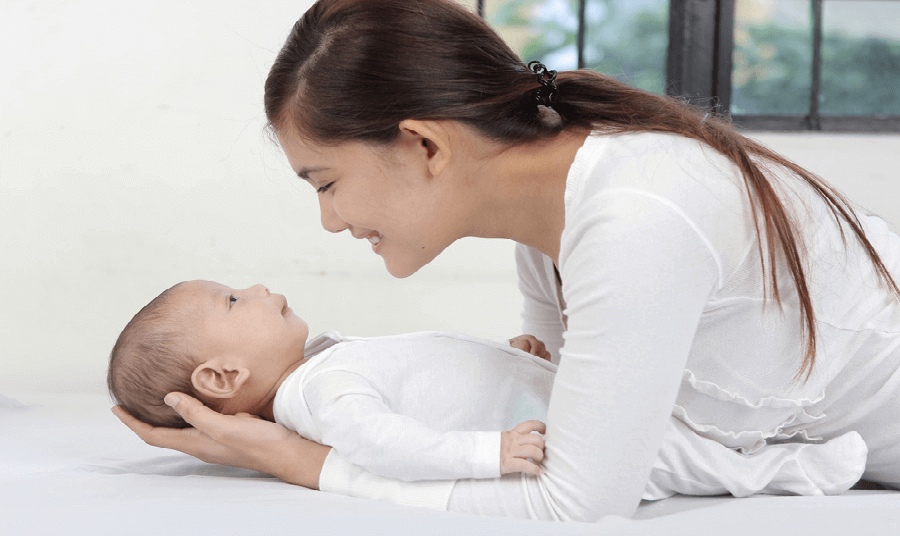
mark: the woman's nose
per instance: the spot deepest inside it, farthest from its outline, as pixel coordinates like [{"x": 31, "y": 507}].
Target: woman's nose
[{"x": 330, "y": 220}]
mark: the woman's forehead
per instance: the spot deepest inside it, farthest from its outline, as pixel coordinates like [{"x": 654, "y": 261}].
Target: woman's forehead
[{"x": 307, "y": 157}]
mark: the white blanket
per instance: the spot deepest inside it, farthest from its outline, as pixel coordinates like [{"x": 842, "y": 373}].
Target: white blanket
[{"x": 67, "y": 466}]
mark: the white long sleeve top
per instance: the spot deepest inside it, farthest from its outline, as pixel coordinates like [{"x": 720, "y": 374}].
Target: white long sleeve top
[{"x": 661, "y": 311}]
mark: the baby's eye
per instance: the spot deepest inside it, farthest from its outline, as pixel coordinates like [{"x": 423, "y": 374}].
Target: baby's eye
[{"x": 231, "y": 299}]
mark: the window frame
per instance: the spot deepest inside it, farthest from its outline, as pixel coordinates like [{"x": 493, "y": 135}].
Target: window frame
[
  {"x": 699, "y": 62},
  {"x": 699, "y": 65}
]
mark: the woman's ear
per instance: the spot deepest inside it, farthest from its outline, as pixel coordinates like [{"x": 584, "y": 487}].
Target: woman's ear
[
  {"x": 217, "y": 380},
  {"x": 434, "y": 139}
]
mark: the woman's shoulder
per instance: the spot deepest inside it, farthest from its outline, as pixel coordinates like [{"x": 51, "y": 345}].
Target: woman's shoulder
[
  {"x": 677, "y": 171},
  {"x": 636, "y": 179},
  {"x": 653, "y": 161}
]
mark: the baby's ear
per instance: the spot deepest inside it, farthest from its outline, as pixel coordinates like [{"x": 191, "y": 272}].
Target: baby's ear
[{"x": 217, "y": 380}]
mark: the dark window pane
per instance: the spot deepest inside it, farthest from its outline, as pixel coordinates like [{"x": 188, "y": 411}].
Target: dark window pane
[
  {"x": 772, "y": 68},
  {"x": 623, "y": 38},
  {"x": 860, "y": 58}
]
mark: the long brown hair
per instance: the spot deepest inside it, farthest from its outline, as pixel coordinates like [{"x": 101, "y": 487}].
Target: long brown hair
[{"x": 354, "y": 69}]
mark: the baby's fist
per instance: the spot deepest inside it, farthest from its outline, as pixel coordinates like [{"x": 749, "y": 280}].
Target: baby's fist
[
  {"x": 530, "y": 344},
  {"x": 522, "y": 451}
]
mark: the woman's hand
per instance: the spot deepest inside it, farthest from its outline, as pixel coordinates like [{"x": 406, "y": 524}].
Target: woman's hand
[
  {"x": 521, "y": 451},
  {"x": 530, "y": 344},
  {"x": 241, "y": 440}
]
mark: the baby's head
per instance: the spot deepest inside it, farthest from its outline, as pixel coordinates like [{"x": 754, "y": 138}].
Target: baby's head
[{"x": 229, "y": 348}]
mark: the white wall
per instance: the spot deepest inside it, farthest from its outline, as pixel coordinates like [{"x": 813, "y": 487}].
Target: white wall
[
  {"x": 865, "y": 167},
  {"x": 132, "y": 157}
]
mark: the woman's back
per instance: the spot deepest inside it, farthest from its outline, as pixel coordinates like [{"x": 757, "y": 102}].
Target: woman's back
[{"x": 741, "y": 384}]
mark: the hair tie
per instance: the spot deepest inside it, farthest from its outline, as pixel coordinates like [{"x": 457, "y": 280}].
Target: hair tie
[{"x": 548, "y": 93}]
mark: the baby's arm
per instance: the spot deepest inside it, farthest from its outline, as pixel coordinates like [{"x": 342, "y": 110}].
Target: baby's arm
[
  {"x": 353, "y": 418},
  {"x": 693, "y": 465}
]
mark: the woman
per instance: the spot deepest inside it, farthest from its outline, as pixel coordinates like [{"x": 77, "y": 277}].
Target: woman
[{"x": 667, "y": 261}]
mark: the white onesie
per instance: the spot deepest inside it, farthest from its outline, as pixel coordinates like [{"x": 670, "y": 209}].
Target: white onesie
[{"x": 430, "y": 407}]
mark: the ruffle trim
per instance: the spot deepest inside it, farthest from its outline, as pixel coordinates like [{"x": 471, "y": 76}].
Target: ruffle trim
[
  {"x": 749, "y": 441},
  {"x": 712, "y": 390}
]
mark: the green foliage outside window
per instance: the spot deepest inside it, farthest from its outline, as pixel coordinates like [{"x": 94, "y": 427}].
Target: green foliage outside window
[
  {"x": 772, "y": 73},
  {"x": 860, "y": 76},
  {"x": 622, "y": 40},
  {"x": 772, "y": 62}
]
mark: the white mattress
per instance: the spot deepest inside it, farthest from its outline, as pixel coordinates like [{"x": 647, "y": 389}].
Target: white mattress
[{"x": 67, "y": 466}]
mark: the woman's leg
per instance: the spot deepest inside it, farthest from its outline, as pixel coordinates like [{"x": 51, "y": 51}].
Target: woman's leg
[{"x": 693, "y": 465}]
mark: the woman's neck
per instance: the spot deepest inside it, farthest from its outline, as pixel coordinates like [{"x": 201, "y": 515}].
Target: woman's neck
[{"x": 520, "y": 191}]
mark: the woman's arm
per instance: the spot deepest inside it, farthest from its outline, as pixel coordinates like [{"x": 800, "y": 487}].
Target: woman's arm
[
  {"x": 240, "y": 441},
  {"x": 541, "y": 315},
  {"x": 637, "y": 274}
]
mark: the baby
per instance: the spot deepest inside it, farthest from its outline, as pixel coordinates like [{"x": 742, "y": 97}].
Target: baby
[{"x": 422, "y": 406}]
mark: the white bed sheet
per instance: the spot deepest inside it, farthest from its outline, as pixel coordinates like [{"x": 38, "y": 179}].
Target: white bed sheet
[{"x": 67, "y": 466}]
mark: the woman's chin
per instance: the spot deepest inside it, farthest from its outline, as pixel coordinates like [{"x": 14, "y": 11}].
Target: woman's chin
[
  {"x": 402, "y": 268},
  {"x": 400, "y": 272}
]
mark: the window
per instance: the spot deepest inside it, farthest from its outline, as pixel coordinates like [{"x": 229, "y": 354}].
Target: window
[
  {"x": 829, "y": 65},
  {"x": 622, "y": 38}
]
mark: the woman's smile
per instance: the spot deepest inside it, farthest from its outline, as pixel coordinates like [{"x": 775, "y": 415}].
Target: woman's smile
[{"x": 375, "y": 239}]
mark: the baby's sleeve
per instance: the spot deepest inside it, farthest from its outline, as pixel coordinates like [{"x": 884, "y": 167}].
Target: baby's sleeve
[{"x": 355, "y": 420}]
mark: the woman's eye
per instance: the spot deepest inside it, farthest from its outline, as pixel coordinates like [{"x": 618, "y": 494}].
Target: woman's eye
[
  {"x": 231, "y": 299},
  {"x": 325, "y": 188}
]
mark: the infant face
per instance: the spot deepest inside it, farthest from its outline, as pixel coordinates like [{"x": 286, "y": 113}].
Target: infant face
[{"x": 254, "y": 326}]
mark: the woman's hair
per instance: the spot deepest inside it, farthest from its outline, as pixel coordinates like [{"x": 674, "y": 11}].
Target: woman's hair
[
  {"x": 150, "y": 359},
  {"x": 354, "y": 69}
]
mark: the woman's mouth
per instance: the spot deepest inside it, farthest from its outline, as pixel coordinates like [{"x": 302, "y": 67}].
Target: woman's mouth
[{"x": 374, "y": 238}]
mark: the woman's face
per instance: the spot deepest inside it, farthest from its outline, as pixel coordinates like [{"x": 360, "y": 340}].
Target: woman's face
[{"x": 384, "y": 195}]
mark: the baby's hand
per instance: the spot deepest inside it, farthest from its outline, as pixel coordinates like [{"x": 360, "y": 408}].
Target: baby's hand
[
  {"x": 520, "y": 450},
  {"x": 530, "y": 344}
]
